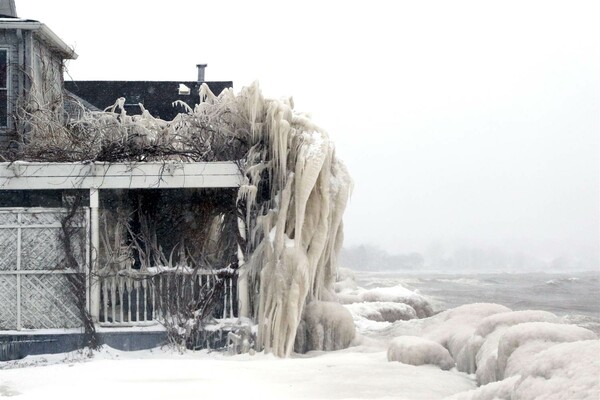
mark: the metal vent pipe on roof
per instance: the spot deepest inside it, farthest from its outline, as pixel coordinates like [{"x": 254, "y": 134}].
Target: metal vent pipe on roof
[{"x": 201, "y": 69}]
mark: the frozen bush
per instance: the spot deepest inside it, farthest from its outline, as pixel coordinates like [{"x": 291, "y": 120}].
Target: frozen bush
[
  {"x": 382, "y": 311},
  {"x": 414, "y": 350},
  {"x": 324, "y": 326},
  {"x": 518, "y": 335}
]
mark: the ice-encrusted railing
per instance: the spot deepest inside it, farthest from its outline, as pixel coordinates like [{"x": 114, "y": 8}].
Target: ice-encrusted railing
[{"x": 146, "y": 297}]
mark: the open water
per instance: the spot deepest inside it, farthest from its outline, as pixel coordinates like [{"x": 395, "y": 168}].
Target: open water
[{"x": 573, "y": 296}]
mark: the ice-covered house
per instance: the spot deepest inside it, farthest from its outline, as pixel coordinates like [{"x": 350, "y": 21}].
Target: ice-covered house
[
  {"x": 116, "y": 224},
  {"x": 58, "y": 261}
]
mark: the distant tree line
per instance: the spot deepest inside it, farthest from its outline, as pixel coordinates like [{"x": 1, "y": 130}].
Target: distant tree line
[{"x": 372, "y": 258}]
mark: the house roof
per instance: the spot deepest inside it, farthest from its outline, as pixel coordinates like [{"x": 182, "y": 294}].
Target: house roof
[
  {"x": 73, "y": 105},
  {"x": 156, "y": 96}
]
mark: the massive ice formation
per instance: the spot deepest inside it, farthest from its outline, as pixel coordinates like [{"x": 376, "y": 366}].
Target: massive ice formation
[{"x": 294, "y": 197}]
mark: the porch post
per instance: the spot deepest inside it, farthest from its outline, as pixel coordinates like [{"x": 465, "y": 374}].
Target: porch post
[{"x": 95, "y": 233}]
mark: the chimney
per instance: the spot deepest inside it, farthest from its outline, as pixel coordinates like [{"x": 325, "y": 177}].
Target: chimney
[
  {"x": 8, "y": 9},
  {"x": 201, "y": 68}
]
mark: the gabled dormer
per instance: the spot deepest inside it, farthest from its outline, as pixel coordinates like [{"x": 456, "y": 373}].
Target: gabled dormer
[{"x": 31, "y": 70}]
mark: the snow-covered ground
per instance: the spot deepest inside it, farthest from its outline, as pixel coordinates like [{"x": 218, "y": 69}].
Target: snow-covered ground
[
  {"x": 403, "y": 350},
  {"x": 356, "y": 373}
]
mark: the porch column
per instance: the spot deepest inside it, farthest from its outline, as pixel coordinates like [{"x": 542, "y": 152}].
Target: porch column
[{"x": 94, "y": 283}]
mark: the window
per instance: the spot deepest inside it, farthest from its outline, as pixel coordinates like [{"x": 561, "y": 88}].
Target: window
[{"x": 3, "y": 87}]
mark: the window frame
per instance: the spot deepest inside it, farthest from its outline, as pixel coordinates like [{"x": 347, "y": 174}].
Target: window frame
[{"x": 7, "y": 88}]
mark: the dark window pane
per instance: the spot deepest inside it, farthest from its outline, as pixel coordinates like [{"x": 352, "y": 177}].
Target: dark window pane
[
  {"x": 41, "y": 198},
  {"x": 3, "y": 108},
  {"x": 3, "y": 68}
]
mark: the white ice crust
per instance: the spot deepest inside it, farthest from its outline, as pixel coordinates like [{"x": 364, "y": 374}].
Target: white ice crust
[{"x": 415, "y": 350}]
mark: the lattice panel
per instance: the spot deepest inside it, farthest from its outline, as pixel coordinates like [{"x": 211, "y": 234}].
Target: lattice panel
[
  {"x": 8, "y": 218},
  {"x": 46, "y": 299},
  {"x": 41, "y": 249},
  {"x": 8, "y": 249},
  {"x": 8, "y": 302},
  {"x": 41, "y": 218},
  {"x": 48, "y": 302}
]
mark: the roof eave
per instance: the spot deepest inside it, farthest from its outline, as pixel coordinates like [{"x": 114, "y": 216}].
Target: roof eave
[
  {"x": 46, "y": 34},
  {"x": 57, "y": 42}
]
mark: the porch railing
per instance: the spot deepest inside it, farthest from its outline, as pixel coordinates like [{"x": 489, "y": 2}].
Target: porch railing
[{"x": 138, "y": 298}]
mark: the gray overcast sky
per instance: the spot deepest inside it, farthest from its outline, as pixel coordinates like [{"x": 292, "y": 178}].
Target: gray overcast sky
[{"x": 467, "y": 123}]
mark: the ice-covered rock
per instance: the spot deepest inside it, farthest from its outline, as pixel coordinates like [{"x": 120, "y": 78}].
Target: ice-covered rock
[
  {"x": 453, "y": 328},
  {"x": 489, "y": 324},
  {"x": 382, "y": 311},
  {"x": 529, "y": 338},
  {"x": 563, "y": 371},
  {"x": 474, "y": 312},
  {"x": 324, "y": 326},
  {"x": 399, "y": 294},
  {"x": 466, "y": 360},
  {"x": 521, "y": 334},
  {"x": 415, "y": 350},
  {"x": 522, "y": 356},
  {"x": 566, "y": 371}
]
